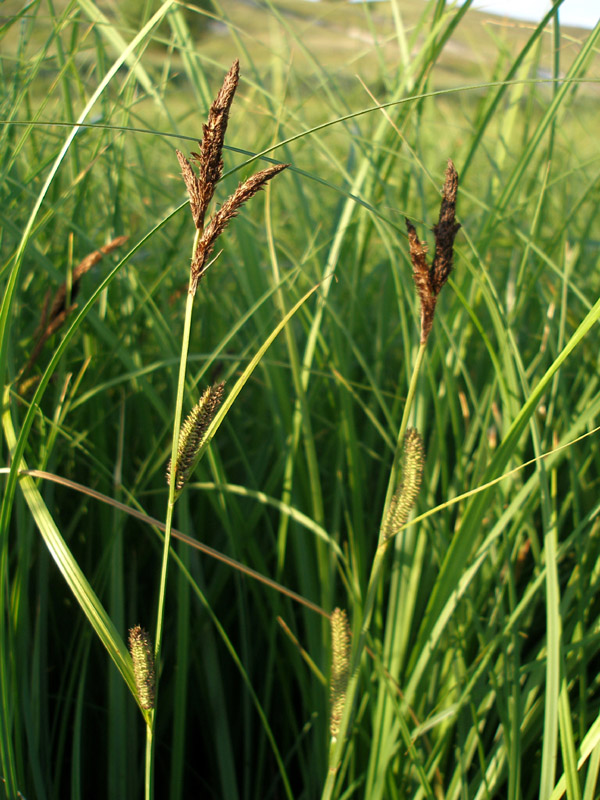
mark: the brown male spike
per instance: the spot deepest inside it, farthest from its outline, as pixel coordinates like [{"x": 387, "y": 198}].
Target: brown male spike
[
  {"x": 201, "y": 187},
  {"x": 51, "y": 321},
  {"x": 445, "y": 231},
  {"x": 209, "y": 160},
  {"x": 430, "y": 280},
  {"x": 227, "y": 212}
]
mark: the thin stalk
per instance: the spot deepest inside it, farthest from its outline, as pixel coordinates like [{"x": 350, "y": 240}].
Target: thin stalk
[
  {"x": 185, "y": 344},
  {"x": 148, "y": 772},
  {"x": 393, "y": 482},
  {"x": 337, "y": 744}
]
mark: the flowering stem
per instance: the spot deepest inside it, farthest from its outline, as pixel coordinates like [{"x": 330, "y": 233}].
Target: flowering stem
[
  {"x": 393, "y": 481},
  {"x": 185, "y": 344},
  {"x": 337, "y": 744}
]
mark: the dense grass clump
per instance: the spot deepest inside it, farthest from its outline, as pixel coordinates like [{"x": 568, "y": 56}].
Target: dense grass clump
[{"x": 373, "y": 570}]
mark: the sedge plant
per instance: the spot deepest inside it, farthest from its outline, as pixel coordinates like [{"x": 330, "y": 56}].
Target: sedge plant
[
  {"x": 402, "y": 493},
  {"x": 459, "y": 703},
  {"x": 190, "y": 437}
]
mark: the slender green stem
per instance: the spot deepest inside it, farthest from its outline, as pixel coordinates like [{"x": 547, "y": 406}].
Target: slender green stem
[
  {"x": 393, "y": 481},
  {"x": 148, "y": 773},
  {"x": 337, "y": 745},
  {"x": 185, "y": 344},
  {"x": 172, "y": 491}
]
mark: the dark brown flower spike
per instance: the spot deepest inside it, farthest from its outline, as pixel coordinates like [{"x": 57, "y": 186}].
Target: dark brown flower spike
[
  {"x": 227, "y": 212},
  {"x": 428, "y": 298},
  {"x": 430, "y": 280},
  {"x": 51, "y": 321},
  {"x": 201, "y": 187},
  {"x": 445, "y": 231},
  {"x": 192, "y": 184},
  {"x": 209, "y": 160}
]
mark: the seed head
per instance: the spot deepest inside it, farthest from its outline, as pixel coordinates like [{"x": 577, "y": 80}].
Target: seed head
[
  {"x": 340, "y": 667},
  {"x": 209, "y": 160},
  {"x": 430, "y": 280},
  {"x": 405, "y": 496},
  {"x": 445, "y": 231},
  {"x": 201, "y": 186},
  {"x": 142, "y": 656},
  {"x": 225, "y": 214},
  {"x": 192, "y": 434},
  {"x": 53, "y": 319}
]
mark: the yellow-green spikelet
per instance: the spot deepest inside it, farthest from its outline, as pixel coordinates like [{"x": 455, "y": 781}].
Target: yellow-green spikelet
[
  {"x": 340, "y": 667},
  {"x": 405, "y": 496},
  {"x": 192, "y": 433},
  {"x": 142, "y": 656}
]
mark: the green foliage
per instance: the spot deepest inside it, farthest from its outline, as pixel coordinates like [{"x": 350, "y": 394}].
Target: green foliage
[{"x": 479, "y": 676}]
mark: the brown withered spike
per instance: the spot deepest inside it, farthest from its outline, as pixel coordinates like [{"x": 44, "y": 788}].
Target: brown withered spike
[
  {"x": 445, "y": 231},
  {"x": 227, "y": 212},
  {"x": 84, "y": 266},
  {"x": 201, "y": 186},
  {"x": 422, "y": 279},
  {"x": 209, "y": 160},
  {"x": 430, "y": 280},
  {"x": 51, "y": 321}
]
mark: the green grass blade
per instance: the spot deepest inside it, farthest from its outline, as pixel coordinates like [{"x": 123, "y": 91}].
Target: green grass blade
[{"x": 76, "y": 580}]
